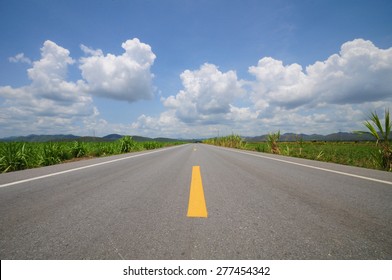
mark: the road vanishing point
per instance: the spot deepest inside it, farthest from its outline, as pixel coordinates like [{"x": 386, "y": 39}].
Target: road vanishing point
[{"x": 196, "y": 201}]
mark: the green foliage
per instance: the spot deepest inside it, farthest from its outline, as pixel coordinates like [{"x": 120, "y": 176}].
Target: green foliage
[
  {"x": 300, "y": 142},
  {"x": 348, "y": 153},
  {"x": 50, "y": 154},
  {"x": 260, "y": 148},
  {"x": 127, "y": 144},
  {"x": 272, "y": 140},
  {"x": 381, "y": 133},
  {"x": 152, "y": 145},
  {"x": 17, "y": 155},
  {"x": 361, "y": 154},
  {"x": 78, "y": 149},
  {"x": 230, "y": 141},
  {"x": 13, "y": 157}
]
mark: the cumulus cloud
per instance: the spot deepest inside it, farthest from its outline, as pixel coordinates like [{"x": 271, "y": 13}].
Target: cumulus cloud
[
  {"x": 123, "y": 77},
  {"x": 52, "y": 103},
  {"x": 207, "y": 94},
  {"x": 327, "y": 96},
  {"x": 204, "y": 104},
  {"x": 90, "y": 51},
  {"x": 20, "y": 57},
  {"x": 49, "y": 103},
  {"x": 287, "y": 86},
  {"x": 360, "y": 73}
]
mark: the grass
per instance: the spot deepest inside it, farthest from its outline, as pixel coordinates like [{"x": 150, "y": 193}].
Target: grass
[
  {"x": 348, "y": 153},
  {"x": 381, "y": 133},
  {"x": 230, "y": 141},
  {"x": 18, "y": 155},
  {"x": 359, "y": 154}
]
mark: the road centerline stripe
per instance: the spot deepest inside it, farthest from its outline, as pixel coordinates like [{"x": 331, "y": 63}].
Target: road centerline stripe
[{"x": 197, "y": 204}]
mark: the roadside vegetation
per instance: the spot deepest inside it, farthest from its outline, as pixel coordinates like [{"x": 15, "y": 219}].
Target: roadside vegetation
[
  {"x": 23, "y": 155},
  {"x": 383, "y": 155},
  {"x": 230, "y": 141},
  {"x": 349, "y": 153},
  {"x": 369, "y": 154}
]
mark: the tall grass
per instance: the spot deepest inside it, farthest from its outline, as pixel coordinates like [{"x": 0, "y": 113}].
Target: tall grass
[
  {"x": 15, "y": 156},
  {"x": 18, "y": 156},
  {"x": 383, "y": 156},
  {"x": 272, "y": 140},
  {"x": 230, "y": 141},
  {"x": 349, "y": 153}
]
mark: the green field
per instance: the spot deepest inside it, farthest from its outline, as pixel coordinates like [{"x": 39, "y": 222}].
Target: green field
[
  {"x": 361, "y": 154},
  {"x": 23, "y": 155}
]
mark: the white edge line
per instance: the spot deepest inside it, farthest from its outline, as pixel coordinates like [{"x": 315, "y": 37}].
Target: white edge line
[
  {"x": 81, "y": 168},
  {"x": 315, "y": 167}
]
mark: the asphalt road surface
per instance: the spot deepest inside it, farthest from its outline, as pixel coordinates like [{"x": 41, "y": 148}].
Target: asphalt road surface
[{"x": 134, "y": 206}]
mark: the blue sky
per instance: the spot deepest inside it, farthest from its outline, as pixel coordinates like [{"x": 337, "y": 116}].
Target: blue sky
[{"x": 192, "y": 68}]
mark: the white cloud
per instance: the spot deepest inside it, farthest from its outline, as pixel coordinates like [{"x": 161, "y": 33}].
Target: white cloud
[
  {"x": 286, "y": 86},
  {"x": 52, "y": 104},
  {"x": 327, "y": 96},
  {"x": 90, "y": 51},
  {"x": 123, "y": 77},
  {"x": 49, "y": 104},
  {"x": 202, "y": 106},
  {"x": 207, "y": 94},
  {"x": 331, "y": 95},
  {"x": 20, "y": 57},
  {"x": 360, "y": 73}
]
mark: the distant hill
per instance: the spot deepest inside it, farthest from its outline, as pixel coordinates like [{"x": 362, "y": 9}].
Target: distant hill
[
  {"x": 70, "y": 137},
  {"x": 112, "y": 137},
  {"x": 340, "y": 136},
  {"x": 40, "y": 138}
]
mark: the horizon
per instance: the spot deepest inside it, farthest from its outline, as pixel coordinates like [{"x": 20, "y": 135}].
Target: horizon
[
  {"x": 143, "y": 136},
  {"x": 193, "y": 69}
]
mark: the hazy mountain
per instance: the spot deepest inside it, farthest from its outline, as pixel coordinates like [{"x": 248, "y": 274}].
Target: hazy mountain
[
  {"x": 340, "y": 136},
  {"x": 40, "y": 138},
  {"x": 70, "y": 137},
  {"x": 112, "y": 137}
]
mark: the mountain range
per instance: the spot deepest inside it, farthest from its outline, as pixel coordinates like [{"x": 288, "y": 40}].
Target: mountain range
[
  {"x": 340, "y": 136},
  {"x": 70, "y": 137}
]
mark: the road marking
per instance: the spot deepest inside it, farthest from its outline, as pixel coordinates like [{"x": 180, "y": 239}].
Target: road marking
[
  {"x": 81, "y": 168},
  {"x": 197, "y": 204},
  {"x": 318, "y": 168}
]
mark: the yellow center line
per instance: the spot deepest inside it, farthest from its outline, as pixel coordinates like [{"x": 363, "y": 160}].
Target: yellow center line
[{"x": 197, "y": 204}]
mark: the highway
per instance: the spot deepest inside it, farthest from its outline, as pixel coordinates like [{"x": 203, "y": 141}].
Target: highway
[{"x": 135, "y": 206}]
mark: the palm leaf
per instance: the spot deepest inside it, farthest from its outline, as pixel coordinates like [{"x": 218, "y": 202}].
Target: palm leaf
[
  {"x": 374, "y": 118},
  {"x": 388, "y": 125},
  {"x": 372, "y": 129}
]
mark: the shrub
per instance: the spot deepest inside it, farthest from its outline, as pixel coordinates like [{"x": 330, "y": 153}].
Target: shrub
[
  {"x": 152, "y": 145},
  {"x": 50, "y": 154},
  {"x": 384, "y": 155},
  {"x": 127, "y": 144},
  {"x": 14, "y": 156},
  {"x": 272, "y": 140},
  {"x": 78, "y": 149}
]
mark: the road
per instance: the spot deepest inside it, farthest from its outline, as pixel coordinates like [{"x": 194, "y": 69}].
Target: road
[{"x": 134, "y": 206}]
